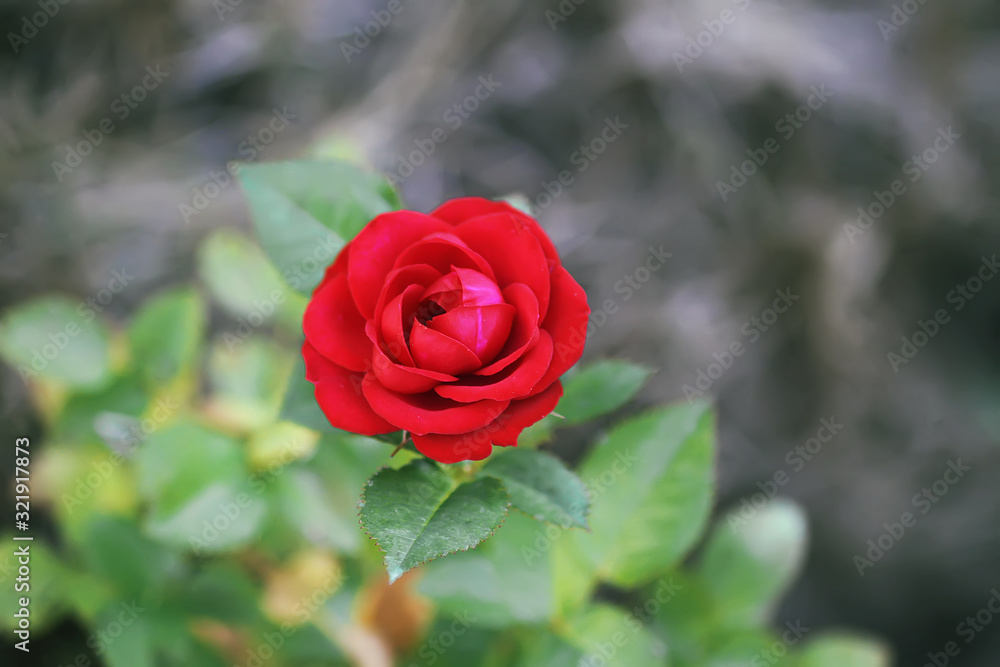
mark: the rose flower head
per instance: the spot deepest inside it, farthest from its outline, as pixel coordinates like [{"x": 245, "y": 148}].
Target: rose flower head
[{"x": 454, "y": 326}]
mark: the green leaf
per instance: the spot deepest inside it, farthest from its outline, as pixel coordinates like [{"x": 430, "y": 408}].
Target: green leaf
[
  {"x": 836, "y": 650},
  {"x": 747, "y": 565},
  {"x": 304, "y": 502},
  {"x": 651, "y": 483},
  {"x": 503, "y": 582},
  {"x": 304, "y": 212},
  {"x": 223, "y": 592},
  {"x": 166, "y": 335},
  {"x": 541, "y": 486},
  {"x": 600, "y": 388},
  {"x": 56, "y": 339},
  {"x": 418, "y": 513},
  {"x": 614, "y": 637},
  {"x": 248, "y": 381},
  {"x": 126, "y": 640},
  {"x": 119, "y": 553},
  {"x": 199, "y": 488},
  {"x": 746, "y": 647},
  {"x": 243, "y": 281}
]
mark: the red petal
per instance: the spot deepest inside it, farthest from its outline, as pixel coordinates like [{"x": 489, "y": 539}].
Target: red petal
[
  {"x": 459, "y": 210},
  {"x": 396, "y": 320},
  {"x": 339, "y": 395},
  {"x": 397, "y": 282},
  {"x": 514, "y": 382},
  {"x": 464, "y": 287},
  {"x": 404, "y": 379},
  {"x": 443, "y": 251},
  {"x": 375, "y": 249},
  {"x": 524, "y": 330},
  {"x": 483, "y": 330},
  {"x": 436, "y": 352},
  {"x": 334, "y": 326},
  {"x": 429, "y": 413},
  {"x": 474, "y": 446},
  {"x": 514, "y": 253},
  {"x": 566, "y": 322}
]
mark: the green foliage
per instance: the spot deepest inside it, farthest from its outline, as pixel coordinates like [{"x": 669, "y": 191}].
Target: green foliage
[
  {"x": 541, "y": 487},
  {"x": 652, "y": 483},
  {"x": 749, "y": 566},
  {"x": 304, "y": 212},
  {"x": 503, "y": 580},
  {"x": 419, "y": 512},
  {"x": 166, "y": 336},
  {"x": 842, "y": 649},
  {"x": 196, "y": 490},
  {"x": 53, "y": 338},
  {"x": 600, "y": 388}
]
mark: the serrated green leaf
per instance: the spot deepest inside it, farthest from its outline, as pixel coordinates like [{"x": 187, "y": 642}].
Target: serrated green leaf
[
  {"x": 166, "y": 335},
  {"x": 600, "y": 388},
  {"x": 418, "y": 513},
  {"x": 837, "y": 650},
  {"x": 651, "y": 482},
  {"x": 305, "y": 211},
  {"x": 748, "y": 565},
  {"x": 541, "y": 486},
  {"x": 54, "y": 338}
]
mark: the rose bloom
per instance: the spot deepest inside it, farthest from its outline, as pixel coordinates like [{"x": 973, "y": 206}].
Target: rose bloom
[{"x": 453, "y": 326}]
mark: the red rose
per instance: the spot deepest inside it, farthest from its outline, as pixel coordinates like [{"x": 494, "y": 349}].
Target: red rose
[{"x": 453, "y": 326}]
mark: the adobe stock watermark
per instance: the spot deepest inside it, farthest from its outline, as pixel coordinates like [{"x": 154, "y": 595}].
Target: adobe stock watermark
[
  {"x": 958, "y": 298},
  {"x": 796, "y": 458},
  {"x": 751, "y": 330},
  {"x": 786, "y": 127},
  {"x": 602, "y": 653},
  {"x": 454, "y": 118},
  {"x": 31, "y": 25},
  {"x": 59, "y": 340},
  {"x": 363, "y": 35},
  {"x": 248, "y": 149},
  {"x": 900, "y": 16},
  {"x": 706, "y": 38},
  {"x": 914, "y": 168},
  {"x": 121, "y": 107},
  {"x": 923, "y": 503},
  {"x": 967, "y": 630}
]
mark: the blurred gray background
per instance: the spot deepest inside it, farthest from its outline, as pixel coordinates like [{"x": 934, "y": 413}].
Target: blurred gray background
[{"x": 691, "y": 87}]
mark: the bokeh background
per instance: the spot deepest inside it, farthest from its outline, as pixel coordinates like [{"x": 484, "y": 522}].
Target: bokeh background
[{"x": 560, "y": 73}]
